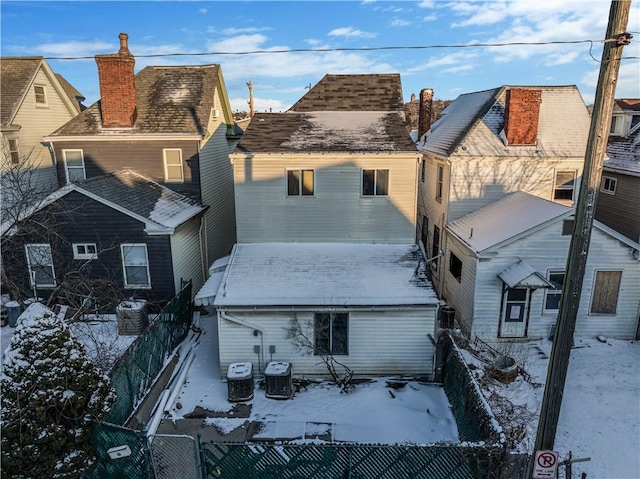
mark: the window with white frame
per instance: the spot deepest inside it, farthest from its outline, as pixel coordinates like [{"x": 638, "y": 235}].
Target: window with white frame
[
  {"x": 553, "y": 295},
  {"x": 375, "y": 182},
  {"x": 14, "y": 150},
  {"x": 608, "y": 185},
  {"x": 173, "y": 165},
  {"x": 331, "y": 333},
  {"x": 439, "y": 182},
  {"x": 85, "y": 251},
  {"x": 40, "y": 265},
  {"x": 300, "y": 183},
  {"x": 74, "y": 165},
  {"x": 135, "y": 265},
  {"x": 41, "y": 95},
  {"x": 564, "y": 185}
]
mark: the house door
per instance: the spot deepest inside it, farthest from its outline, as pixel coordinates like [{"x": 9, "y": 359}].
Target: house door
[{"x": 515, "y": 313}]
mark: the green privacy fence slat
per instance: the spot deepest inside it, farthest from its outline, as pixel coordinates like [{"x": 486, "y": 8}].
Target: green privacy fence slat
[
  {"x": 134, "y": 373},
  {"x": 310, "y": 461}
]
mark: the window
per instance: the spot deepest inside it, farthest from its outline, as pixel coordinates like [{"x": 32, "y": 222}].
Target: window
[
  {"x": 553, "y": 295},
  {"x": 331, "y": 333},
  {"x": 375, "y": 182},
  {"x": 439, "y": 182},
  {"x": 40, "y": 264},
  {"x": 608, "y": 185},
  {"x": 84, "y": 251},
  {"x": 74, "y": 165},
  {"x": 14, "y": 151},
  {"x": 564, "y": 185},
  {"x": 300, "y": 183},
  {"x": 41, "y": 95},
  {"x": 567, "y": 227},
  {"x": 616, "y": 125},
  {"x": 424, "y": 236},
  {"x": 605, "y": 292},
  {"x": 135, "y": 264},
  {"x": 455, "y": 267},
  {"x": 435, "y": 250},
  {"x": 173, "y": 165}
]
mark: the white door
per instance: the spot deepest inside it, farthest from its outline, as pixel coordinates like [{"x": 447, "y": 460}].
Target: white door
[{"x": 515, "y": 313}]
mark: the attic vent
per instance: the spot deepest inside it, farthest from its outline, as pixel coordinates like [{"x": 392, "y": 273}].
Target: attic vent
[
  {"x": 216, "y": 113},
  {"x": 278, "y": 380}
]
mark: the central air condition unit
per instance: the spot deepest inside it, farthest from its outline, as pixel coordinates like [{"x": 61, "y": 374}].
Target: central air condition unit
[
  {"x": 240, "y": 381},
  {"x": 279, "y": 384}
]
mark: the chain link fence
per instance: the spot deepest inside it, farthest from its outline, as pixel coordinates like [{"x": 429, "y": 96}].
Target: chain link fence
[{"x": 174, "y": 456}]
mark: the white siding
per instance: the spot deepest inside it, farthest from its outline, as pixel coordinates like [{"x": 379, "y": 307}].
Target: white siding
[
  {"x": 477, "y": 181},
  {"x": 216, "y": 180},
  {"x": 337, "y": 212},
  {"x": 460, "y": 296},
  {"x": 380, "y": 343},
  {"x": 186, "y": 255},
  {"x": 547, "y": 249}
]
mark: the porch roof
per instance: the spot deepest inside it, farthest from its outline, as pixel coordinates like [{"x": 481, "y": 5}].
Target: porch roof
[{"x": 522, "y": 275}]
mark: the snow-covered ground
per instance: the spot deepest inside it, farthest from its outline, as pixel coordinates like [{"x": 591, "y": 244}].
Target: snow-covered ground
[
  {"x": 600, "y": 414},
  {"x": 419, "y": 413}
]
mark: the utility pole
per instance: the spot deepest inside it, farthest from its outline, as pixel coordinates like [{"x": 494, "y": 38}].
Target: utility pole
[
  {"x": 616, "y": 37},
  {"x": 251, "y": 110}
]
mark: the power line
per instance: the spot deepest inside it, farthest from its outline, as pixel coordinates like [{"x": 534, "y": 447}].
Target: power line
[{"x": 354, "y": 49}]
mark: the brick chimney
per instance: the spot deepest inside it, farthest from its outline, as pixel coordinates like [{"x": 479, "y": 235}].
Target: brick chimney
[
  {"x": 521, "y": 116},
  {"x": 117, "y": 87},
  {"x": 424, "y": 112}
]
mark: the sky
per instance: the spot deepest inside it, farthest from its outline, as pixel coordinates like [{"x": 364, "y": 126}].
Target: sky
[{"x": 353, "y": 37}]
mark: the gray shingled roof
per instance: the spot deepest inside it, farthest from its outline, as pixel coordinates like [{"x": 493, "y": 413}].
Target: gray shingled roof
[
  {"x": 143, "y": 197},
  {"x": 326, "y": 131},
  {"x": 169, "y": 99},
  {"x": 16, "y": 74},
  {"x": 474, "y": 121},
  {"x": 373, "y": 92},
  {"x": 76, "y": 97}
]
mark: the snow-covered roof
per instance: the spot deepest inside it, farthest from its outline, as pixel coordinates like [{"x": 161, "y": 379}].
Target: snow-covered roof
[
  {"x": 505, "y": 219},
  {"x": 325, "y": 275},
  {"x": 624, "y": 155},
  {"x": 524, "y": 275}
]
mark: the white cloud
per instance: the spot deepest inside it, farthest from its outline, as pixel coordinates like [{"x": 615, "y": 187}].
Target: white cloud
[
  {"x": 203, "y": 11},
  {"x": 459, "y": 68},
  {"x": 626, "y": 86},
  {"x": 480, "y": 14},
  {"x": 399, "y": 23},
  {"x": 427, "y": 4},
  {"x": 459, "y": 60},
  {"x": 561, "y": 58},
  {"x": 350, "y": 32},
  {"x": 430, "y": 18},
  {"x": 259, "y": 104},
  {"x": 237, "y": 31},
  {"x": 241, "y": 43},
  {"x": 69, "y": 49}
]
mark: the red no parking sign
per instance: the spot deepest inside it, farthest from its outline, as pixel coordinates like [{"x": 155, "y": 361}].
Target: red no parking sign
[{"x": 546, "y": 465}]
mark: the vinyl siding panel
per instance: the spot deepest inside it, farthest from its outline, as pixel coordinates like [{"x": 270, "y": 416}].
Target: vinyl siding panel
[
  {"x": 621, "y": 211},
  {"x": 380, "y": 343},
  {"x": 37, "y": 122},
  {"x": 216, "y": 178},
  {"x": 477, "y": 182},
  {"x": 142, "y": 156},
  {"x": 547, "y": 249},
  {"x": 337, "y": 212},
  {"x": 188, "y": 262}
]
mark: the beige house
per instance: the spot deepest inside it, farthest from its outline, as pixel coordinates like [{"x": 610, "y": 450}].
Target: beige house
[
  {"x": 491, "y": 143},
  {"x": 35, "y": 101}
]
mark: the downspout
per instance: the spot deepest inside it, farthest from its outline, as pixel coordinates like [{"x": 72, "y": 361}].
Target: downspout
[
  {"x": 203, "y": 263},
  {"x": 246, "y": 324}
]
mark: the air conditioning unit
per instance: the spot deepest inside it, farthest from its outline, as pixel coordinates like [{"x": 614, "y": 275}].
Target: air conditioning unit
[
  {"x": 240, "y": 382},
  {"x": 278, "y": 382}
]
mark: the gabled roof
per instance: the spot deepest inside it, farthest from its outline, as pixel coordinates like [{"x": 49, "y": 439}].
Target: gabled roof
[
  {"x": 624, "y": 154},
  {"x": 505, "y": 220},
  {"x": 169, "y": 100},
  {"x": 158, "y": 207},
  {"x": 523, "y": 275},
  {"x": 71, "y": 92},
  {"x": 368, "y": 92},
  {"x": 326, "y": 131},
  {"x": 324, "y": 275},
  {"x": 473, "y": 125},
  {"x": 626, "y": 105},
  {"x": 512, "y": 217},
  {"x": 16, "y": 77}
]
